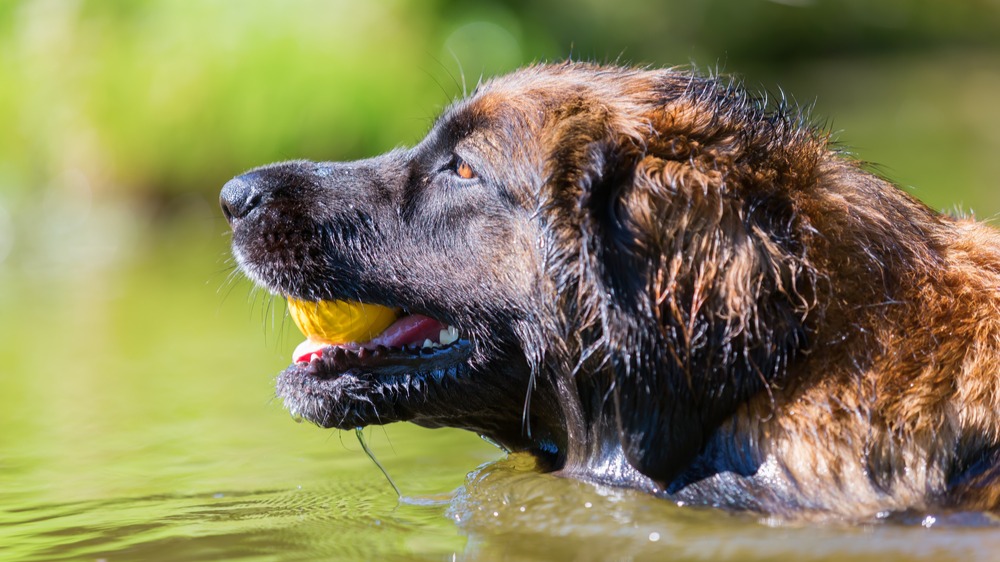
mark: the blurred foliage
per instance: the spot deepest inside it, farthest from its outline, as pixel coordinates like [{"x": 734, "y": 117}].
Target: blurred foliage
[
  {"x": 159, "y": 100},
  {"x": 762, "y": 32}
]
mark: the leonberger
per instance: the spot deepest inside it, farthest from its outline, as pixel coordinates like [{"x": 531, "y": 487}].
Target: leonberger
[{"x": 651, "y": 279}]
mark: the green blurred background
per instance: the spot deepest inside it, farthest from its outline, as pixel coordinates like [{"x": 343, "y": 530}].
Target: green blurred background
[
  {"x": 135, "y": 364},
  {"x": 156, "y": 103}
]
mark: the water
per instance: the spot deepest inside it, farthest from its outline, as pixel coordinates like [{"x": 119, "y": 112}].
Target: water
[{"x": 137, "y": 422}]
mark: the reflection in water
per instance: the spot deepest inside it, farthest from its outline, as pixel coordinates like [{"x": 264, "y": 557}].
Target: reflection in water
[
  {"x": 511, "y": 512},
  {"x": 333, "y": 523},
  {"x": 506, "y": 510}
]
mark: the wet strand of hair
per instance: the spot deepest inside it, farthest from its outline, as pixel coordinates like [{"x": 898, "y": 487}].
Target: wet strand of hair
[{"x": 364, "y": 445}]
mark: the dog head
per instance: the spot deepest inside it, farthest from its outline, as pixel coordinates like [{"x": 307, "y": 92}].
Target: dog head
[{"x": 618, "y": 249}]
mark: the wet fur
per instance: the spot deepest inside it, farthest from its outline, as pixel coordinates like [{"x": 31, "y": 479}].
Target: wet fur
[{"x": 714, "y": 304}]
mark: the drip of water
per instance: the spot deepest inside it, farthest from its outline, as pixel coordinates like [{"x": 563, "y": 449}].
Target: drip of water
[{"x": 364, "y": 445}]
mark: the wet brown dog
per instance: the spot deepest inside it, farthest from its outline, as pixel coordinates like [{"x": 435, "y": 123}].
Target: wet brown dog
[{"x": 659, "y": 282}]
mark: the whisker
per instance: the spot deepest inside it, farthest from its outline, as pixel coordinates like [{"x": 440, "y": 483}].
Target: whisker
[{"x": 461, "y": 72}]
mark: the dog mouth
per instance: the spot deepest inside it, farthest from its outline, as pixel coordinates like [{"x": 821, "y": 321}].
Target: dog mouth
[
  {"x": 392, "y": 376},
  {"x": 410, "y": 332},
  {"x": 416, "y": 341}
]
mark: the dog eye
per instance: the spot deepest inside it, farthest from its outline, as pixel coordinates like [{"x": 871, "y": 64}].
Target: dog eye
[{"x": 463, "y": 169}]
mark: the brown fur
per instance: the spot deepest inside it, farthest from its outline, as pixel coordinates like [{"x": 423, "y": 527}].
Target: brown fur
[
  {"x": 668, "y": 285},
  {"x": 898, "y": 390}
]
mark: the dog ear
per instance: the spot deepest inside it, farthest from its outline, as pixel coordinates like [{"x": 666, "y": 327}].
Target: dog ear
[{"x": 704, "y": 291}]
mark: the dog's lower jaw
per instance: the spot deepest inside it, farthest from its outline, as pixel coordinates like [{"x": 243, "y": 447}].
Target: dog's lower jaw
[{"x": 487, "y": 398}]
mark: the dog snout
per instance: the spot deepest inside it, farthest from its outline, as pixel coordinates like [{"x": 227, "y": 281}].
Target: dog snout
[{"x": 239, "y": 197}]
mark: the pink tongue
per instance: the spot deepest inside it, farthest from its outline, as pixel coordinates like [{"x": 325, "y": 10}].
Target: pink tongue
[{"x": 408, "y": 330}]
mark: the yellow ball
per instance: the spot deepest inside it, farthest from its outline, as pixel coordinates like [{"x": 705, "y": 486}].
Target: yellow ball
[{"x": 340, "y": 321}]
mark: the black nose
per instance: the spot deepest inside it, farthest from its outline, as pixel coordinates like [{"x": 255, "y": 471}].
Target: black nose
[{"x": 238, "y": 198}]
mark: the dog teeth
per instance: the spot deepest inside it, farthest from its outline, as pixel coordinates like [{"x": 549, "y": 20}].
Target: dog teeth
[
  {"x": 445, "y": 337},
  {"x": 449, "y": 335}
]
